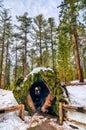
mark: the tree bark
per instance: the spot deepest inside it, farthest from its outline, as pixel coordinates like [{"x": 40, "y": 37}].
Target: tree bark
[
  {"x": 73, "y": 20},
  {"x": 16, "y": 65},
  {"x": 79, "y": 70},
  {"x": 25, "y": 56},
  {"x": 6, "y": 64},
  {"x": 2, "y": 56},
  {"x": 53, "y": 66},
  {"x": 40, "y": 48}
]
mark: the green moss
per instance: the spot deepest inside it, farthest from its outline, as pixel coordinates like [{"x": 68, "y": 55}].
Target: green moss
[{"x": 49, "y": 78}]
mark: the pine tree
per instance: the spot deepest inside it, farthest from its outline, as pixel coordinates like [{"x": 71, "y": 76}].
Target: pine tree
[
  {"x": 63, "y": 57},
  {"x": 16, "y": 48},
  {"x": 24, "y": 29},
  {"x": 6, "y": 27},
  {"x": 39, "y": 28},
  {"x": 69, "y": 12},
  {"x": 9, "y": 41},
  {"x": 52, "y": 35}
]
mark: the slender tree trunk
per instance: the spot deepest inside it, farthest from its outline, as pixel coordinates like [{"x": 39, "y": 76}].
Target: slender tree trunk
[
  {"x": 25, "y": 57},
  {"x": 53, "y": 65},
  {"x": 32, "y": 64},
  {"x": 16, "y": 65},
  {"x": 84, "y": 66},
  {"x": 73, "y": 17},
  {"x": 51, "y": 46},
  {"x": 2, "y": 56},
  {"x": 46, "y": 60},
  {"x": 79, "y": 70},
  {"x": 32, "y": 61},
  {"x": 40, "y": 47},
  {"x": 6, "y": 64},
  {"x": 8, "y": 73}
]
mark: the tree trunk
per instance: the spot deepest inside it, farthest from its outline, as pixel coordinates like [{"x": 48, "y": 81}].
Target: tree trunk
[
  {"x": 2, "y": 56},
  {"x": 32, "y": 62},
  {"x": 16, "y": 65},
  {"x": 79, "y": 70},
  {"x": 6, "y": 65},
  {"x": 84, "y": 64},
  {"x": 73, "y": 19},
  {"x": 52, "y": 50},
  {"x": 40, "y": 48},
  {"x": 25, "y": 57}
]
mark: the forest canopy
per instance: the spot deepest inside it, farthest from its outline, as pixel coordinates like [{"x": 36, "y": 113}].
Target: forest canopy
[{"x": 38, "y": 41}]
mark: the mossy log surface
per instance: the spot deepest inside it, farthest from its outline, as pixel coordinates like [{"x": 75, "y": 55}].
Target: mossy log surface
[{"x": 51, "y": 82}]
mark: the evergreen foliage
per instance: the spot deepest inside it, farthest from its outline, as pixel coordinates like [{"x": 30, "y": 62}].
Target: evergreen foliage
[
  {"x": 68, "y": 33},
  {"x": 6, "y": 41},
  {"x": 37, "y": 42},
  {"x": 24, "y": 29}
]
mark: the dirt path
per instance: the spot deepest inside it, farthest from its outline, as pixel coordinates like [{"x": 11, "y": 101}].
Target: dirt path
[
  {"x": 43, "y": 126},
  {"x": 46, "y": 122}
]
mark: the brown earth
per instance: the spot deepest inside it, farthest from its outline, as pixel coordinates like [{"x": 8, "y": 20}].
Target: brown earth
[{"x": 43, "y": 126}]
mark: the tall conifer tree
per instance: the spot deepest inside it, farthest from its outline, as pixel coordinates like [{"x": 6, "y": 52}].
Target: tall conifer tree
[{"x": 24, "y": 29}]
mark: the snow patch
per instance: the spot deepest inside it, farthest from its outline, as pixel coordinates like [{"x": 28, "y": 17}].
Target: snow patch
[
  {"x": 7, "y": 98},
  {"x": 36, "y": 70},
  {"x": 10, "y": 120},
  {"x": 77, "y": 95},
  {"x": 77, "y": 81}
]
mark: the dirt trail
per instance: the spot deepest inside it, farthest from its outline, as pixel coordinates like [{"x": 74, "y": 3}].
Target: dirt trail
[
  {"x": 44, "y": 126},
  {"x": 46, "y": 122}
]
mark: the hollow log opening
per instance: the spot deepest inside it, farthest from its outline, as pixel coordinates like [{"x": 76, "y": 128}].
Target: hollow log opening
[{"x": 38, "y": 92}]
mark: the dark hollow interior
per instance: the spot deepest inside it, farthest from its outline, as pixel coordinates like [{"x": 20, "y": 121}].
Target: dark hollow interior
[{"x": 39, "y": 98}]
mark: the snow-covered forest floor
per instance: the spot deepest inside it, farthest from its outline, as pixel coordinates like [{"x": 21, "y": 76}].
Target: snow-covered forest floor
[
  {"x": 77, "y": 95},
  {"x": 11, "y": 120}
]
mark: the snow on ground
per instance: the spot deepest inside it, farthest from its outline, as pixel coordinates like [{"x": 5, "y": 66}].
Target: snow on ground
[
  {"x": 10, "y": 120},
  {"x": 7, "y": 98},
  {"x": 77, "y": 95},
  {"x": 77, "y": 81}
]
